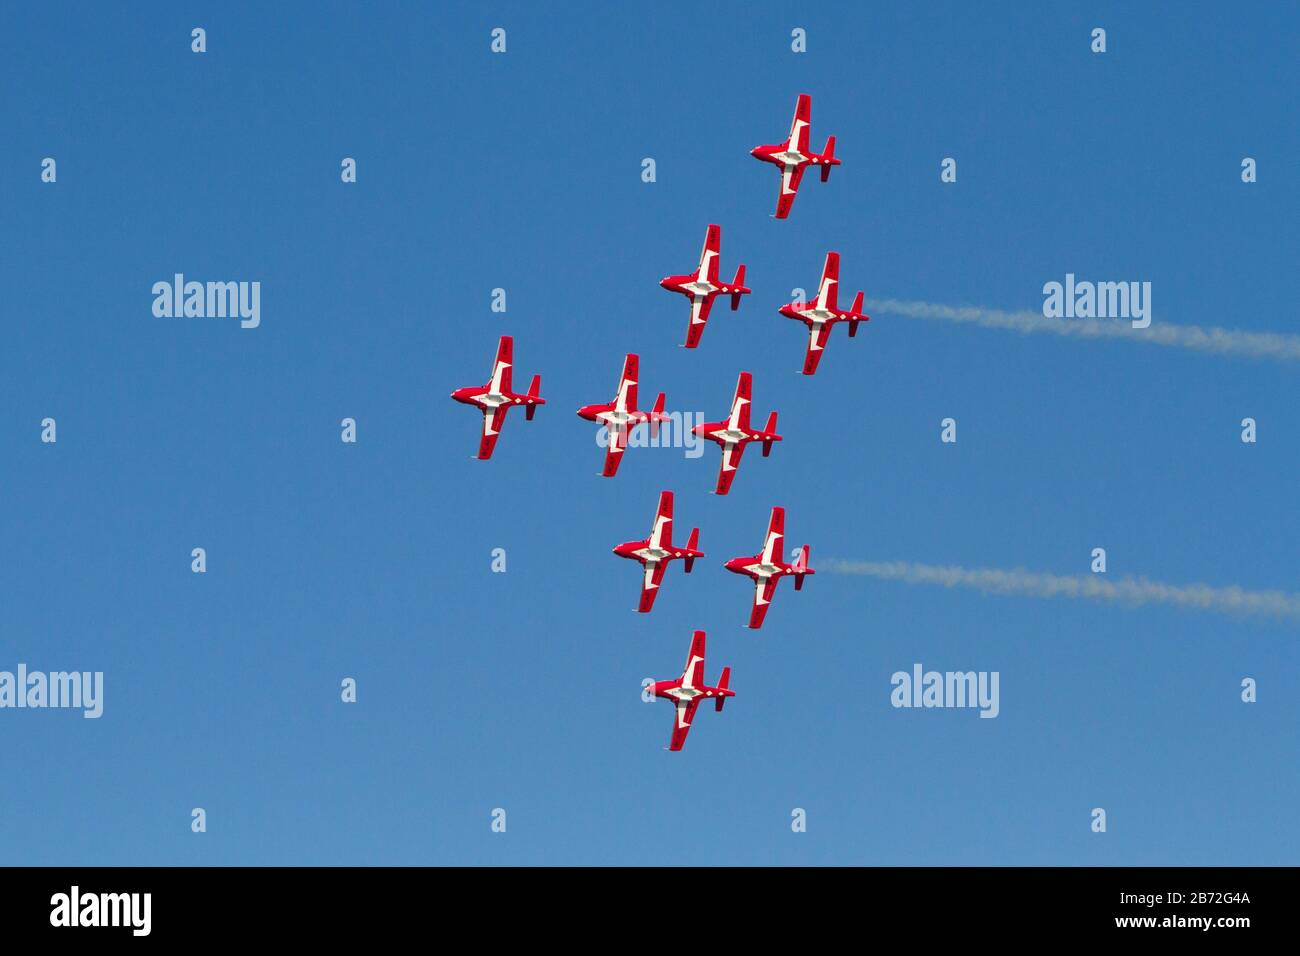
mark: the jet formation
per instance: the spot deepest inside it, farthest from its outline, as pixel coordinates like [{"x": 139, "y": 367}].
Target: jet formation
[{"x": 620, "y": 416}]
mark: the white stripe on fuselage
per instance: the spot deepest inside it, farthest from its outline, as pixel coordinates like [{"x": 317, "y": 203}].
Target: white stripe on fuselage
[
  {"x": 791, "y": 155},
  {"x": 682, "y": 694},
  {"x": 618, "y": 416}
]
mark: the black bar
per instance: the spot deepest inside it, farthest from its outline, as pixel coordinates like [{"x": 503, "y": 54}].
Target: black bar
[{"x": 334, "y": 905}]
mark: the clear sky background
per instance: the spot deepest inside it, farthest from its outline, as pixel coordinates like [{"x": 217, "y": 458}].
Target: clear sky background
[{"x": 521, "y": 690}]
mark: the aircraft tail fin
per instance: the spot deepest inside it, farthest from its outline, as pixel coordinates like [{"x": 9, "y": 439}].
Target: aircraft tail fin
[
  {"x": 801, "y": 568},
  {"x": 770, "y": 432},
  {"x": 724, "y": 683},
  {"x": 693, "y": 547},
  {"x": 657, "y": 415},
  {"x": 829, "y": 157},
  {"x": 856, "y": 310},
  {"x": 535, "y": 394},
  {"x": 738, "y": 287}
]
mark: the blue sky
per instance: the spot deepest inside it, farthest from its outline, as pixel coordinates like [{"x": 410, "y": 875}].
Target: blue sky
[{"x": 521, "y": 690}]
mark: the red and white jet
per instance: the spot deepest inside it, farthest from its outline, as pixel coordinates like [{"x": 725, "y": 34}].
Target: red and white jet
[
  {"x": 703, "y": 285},
  {"x": 621, "y": 415},
  {"x": 735, "y": 433},
  {"x": 793, "y": 156},
  {"x": 656, "y": 551},
  {"x": 689, "y": 689},
  {"x": 820, "y": 315},
  {"x": 767, "y": 568},
  {"x": 495, "y": 398}
]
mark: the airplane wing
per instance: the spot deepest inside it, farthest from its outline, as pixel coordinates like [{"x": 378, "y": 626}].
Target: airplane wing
[
  {"x": 818, "y": 333},
  {"x": 801, "y": 125},
  {"x": 614, "y": 453},
  {"x": 700, "y": 306},
  {"x": 492, "y": 422},
  {"x": 501, "y": 368},
  {"x": 710, "y": 254},
  {"x": 731, "y": 453},
  {"x": 693, "y": 672},
  {"x": 682, "y": 722},
  {"x": 740, "y": 404},
  {"x": 764, "y": 588},
  {"x": 661, "y": 535},
  {"x": 790, "y": 177},
  {"x": 828, "y": 289},
  {"x": 775, "y": 533},
  {"x": 626, "y": 398},
  {"x": 654, "y": 576}
]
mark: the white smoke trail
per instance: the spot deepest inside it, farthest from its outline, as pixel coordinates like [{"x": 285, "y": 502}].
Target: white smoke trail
[
  {"x": 1131, "y": 591},
  {"x": 1221, "y": 341}
]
